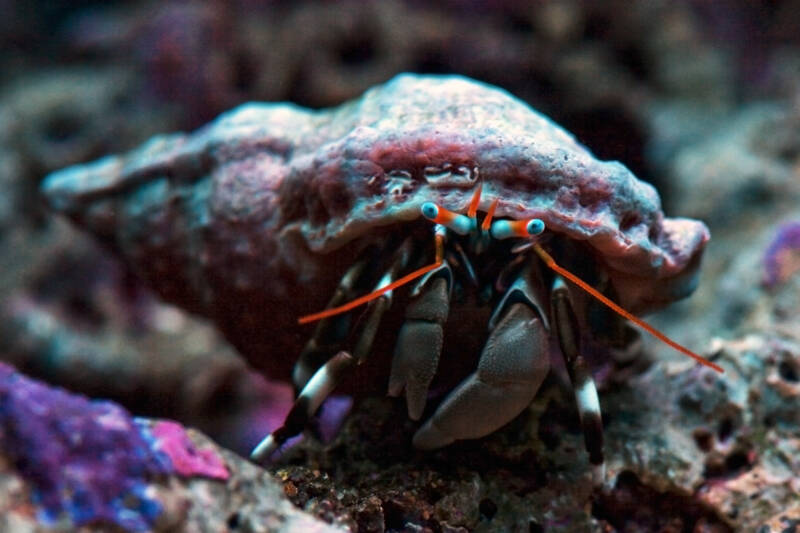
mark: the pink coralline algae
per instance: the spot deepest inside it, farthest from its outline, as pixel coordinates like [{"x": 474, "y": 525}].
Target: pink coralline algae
[
  {"x": 90, "y": 462},
  {"x": 782, "y": 259},
  {"x": 171, "y": 439}
]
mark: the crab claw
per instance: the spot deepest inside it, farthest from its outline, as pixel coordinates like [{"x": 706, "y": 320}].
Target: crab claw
[
  {"x": 420, "y": 341},
  {"x": 512, "y": 366}
]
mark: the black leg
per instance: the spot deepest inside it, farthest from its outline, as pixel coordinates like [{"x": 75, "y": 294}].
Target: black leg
[
  {"x": 321, "y": 384},
  {"x": 324, "y": 380}
]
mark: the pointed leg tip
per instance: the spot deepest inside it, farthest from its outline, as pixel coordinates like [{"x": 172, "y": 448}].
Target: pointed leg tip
[
  {"x": 264, "y": 450},
  {"x": 300, "y": 376},
  {"x": 395, "y": 389},
  {"x": 416, "y": 405},
  {"x": 599, "y": 476},
  {"x": 429, "y": 437}
]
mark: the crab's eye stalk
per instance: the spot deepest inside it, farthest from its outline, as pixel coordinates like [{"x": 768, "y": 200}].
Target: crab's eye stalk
[
  {"x": 453, "y": 221},
  {"x": 507, "y": 229},
  {"x": 535, "y": 226},
  {"x": 430, "y": 211}
]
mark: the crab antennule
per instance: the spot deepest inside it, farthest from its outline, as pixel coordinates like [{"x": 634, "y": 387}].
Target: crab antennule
[
  {"x": 473, "y": 204},
  {"x": 551, "y": 263},
  {"x": 506, "y": 229},
  {"x": 454, "y": 221},
  {"x": 487, "y": 222},
  {"x": 439, "y": 241}
]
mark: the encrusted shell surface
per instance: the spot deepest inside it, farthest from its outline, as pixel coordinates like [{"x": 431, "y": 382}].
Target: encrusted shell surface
[{"x": 251, "y": 219}]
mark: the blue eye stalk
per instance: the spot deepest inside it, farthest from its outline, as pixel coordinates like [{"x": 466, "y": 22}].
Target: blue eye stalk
[
  {"x": 508, "y": 229},
  {"x": 463, "y": 225},
  {"x": 460, "y": 224}
]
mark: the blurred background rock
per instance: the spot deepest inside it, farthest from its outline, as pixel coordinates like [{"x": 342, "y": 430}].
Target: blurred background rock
[{"x": 702, "y": 99}]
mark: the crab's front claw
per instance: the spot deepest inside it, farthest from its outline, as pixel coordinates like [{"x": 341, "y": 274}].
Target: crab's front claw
[
  {"x": 512, "y": 366},
  {"x": 420, "y": 341}
]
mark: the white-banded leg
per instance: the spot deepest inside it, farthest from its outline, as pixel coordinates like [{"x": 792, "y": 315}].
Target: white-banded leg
[
  {"x": 567, "y": 331},
  {"x": 325, "y": 379},
  {"x": 329, "y": 332},
  {"x": 311, "y": 397},
  {"x": 512, "y": 366},
  {"x": 621, "y": 340},
  {"x": 419, "y": 343}
]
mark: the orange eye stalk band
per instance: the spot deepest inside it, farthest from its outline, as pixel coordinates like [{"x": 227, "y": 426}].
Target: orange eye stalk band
[{"x": 453, "y": 221}]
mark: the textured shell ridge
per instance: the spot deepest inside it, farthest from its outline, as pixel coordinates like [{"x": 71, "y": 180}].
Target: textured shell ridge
[{"x": 265, "y": 191}]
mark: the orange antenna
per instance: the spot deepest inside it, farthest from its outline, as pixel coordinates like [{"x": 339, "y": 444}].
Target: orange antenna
[
  {"x": 476, "y": 199},
  {"x": 487, "y": 222},
  {"x": 551, "y": 263},
  {"x": 439, "y": 239}
]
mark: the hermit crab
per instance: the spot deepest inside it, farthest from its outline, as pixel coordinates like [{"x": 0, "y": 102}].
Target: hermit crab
[{"x": 433, "y": 220}]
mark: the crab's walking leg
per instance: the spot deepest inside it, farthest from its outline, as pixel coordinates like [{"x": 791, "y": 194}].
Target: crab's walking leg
[
  {"x": 325, "y": 379},
  {"x": 512, "y": 366},
  {"x": 566, "y": 327},
  {"x": 420, "y": 340},
  {"x": 311, "y": 397},
  {"x": 328, "y": 331}
]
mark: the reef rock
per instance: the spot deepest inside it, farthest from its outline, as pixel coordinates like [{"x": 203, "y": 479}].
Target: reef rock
[{"x": 68, "y": 462}]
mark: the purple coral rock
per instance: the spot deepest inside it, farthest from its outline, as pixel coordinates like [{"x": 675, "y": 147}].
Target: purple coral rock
[
  {"x": 86, "y": 459},
  {"x": 782, "y": 258},
  {"x": 89, "y": 461}
]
